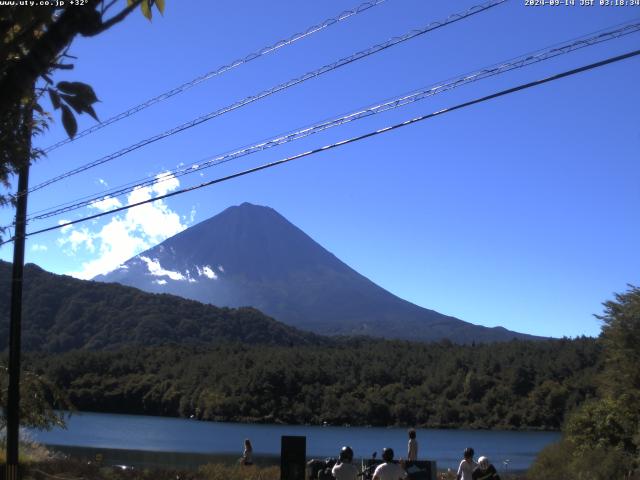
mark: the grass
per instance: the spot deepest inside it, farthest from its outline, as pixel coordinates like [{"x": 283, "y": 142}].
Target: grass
[
  {"x": 73, "y": 469},
  {"x": 30, "y": 452},
  {"x": 39, "y": 463},
  {"x": 70, "y": 469}
]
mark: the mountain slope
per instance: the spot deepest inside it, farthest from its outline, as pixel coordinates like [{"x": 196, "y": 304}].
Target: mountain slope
[
  {"x": 251, "y": 255},
  {"x": 61, "y": 313}
]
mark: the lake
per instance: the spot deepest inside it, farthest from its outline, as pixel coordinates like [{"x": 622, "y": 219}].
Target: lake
[{"x": 198, "y": 441}]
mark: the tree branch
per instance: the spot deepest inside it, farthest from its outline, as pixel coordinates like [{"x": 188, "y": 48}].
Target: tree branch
[
  {"x": 115, "y": 19},
  {"x": 17, "y": 77},
  {"x": 105, "y": 8}
]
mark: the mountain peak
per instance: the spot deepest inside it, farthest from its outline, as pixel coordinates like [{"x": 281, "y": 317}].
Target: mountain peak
[
  {"x": 247, "y": 206},
  {"x": 250, "y": 255}
]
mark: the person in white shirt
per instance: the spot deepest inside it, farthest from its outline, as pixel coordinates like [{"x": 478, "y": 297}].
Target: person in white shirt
[
  {"x": 467, "y": 465},
  {"x": 412, "y": 447},
  {"x": 344, "y": 469},
  {"x": 389, "y": 470}
]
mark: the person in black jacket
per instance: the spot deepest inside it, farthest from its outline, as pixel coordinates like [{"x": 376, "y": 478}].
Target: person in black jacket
[{"x": 485, "y": 471}]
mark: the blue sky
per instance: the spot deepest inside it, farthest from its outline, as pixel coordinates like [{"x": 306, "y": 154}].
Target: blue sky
[{"x": 521, "y": 212}]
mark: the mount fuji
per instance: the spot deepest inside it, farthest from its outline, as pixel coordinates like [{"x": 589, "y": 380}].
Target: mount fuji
[{"x": 250, "y": 255}]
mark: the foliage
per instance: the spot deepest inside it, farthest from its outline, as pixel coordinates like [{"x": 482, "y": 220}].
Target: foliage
[
  {"x": 357, "y": 382},
  {"x": 35, "y": 43},
  {"x": 39, "y": 399},
  {"x": 608, "y": 423},
  {"x": 602, "y": 438},
  {"x": 564, "y": 460},
  {"x": 621, "y": 339}
]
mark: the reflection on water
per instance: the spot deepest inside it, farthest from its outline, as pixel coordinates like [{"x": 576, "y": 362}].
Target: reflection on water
[{"x": 202, "y": 440}]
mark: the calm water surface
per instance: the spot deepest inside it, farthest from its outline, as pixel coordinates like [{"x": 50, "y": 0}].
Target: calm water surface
[{"x": 136, "y": 432}]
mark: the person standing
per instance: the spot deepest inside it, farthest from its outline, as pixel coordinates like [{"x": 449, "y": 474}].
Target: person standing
[
  {"x": 389, "y": 470},
  {"x": 247, "y": 453},
  {"x": 412, "y": 447},
  {"x": 344, "y": 469},
  {"x": 467, "y": 465}
]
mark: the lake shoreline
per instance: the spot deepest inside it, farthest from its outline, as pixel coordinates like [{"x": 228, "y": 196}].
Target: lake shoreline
[
  {"x": 146, "y": 459},
  {"x": 271, "y": 421},
  {"x": 204, "y": 441}
]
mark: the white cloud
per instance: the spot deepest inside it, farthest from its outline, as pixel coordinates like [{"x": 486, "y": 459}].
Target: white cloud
[
  {"x": 103, "y": 182},
  {"x": 36, "y": 247},
  {"x": 106, "y": 203},
  {"x": 206, "y": 271},
  {"x": 190, "y": 278},
  {"x": 127, "y": 234},
  {"x": 66, "y": 227},
  {"x": 221, "y": 268},
  {"x": 76, "y": 239},
  {"x": 167, "y": 182},
  {"x": 160, "y": 282},
  {"x": 156, "y": 269}
]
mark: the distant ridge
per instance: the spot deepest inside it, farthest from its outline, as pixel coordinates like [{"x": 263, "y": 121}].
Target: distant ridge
[
  {"x": 61, "y": 313},
  {"x": 251, "y": 255}
]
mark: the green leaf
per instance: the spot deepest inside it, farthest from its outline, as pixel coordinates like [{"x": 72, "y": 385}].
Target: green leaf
[
  {"x": 55, "y": 99},
  {"x": 89, "y": 109},
  {"x": 80, "y": 89},
  {"x": 160, "y": 6},
  {"x": 146, "y": 9},
  {"x": 69, "y": 121},
  {"x": 79, "y": 105},
  {"x": 130, "y": 2},
  {"x": 38, "y": 108},
  {"x": 74, "y": 102}
]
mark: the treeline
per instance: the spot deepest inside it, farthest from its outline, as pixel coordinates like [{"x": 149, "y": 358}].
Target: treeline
[
  {"x": 518, "y": 384},
  {"x": 62, "y": 313},
  {"x": 601, "y": 439}
]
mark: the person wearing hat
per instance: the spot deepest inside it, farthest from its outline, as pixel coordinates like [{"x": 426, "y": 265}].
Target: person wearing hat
[
  {"x": 389, "y": 470},
  {"x": 485, "y": 471},
  {"x": 344, "y": 469}
]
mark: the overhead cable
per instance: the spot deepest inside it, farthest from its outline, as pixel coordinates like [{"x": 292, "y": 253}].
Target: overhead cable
[
  {"x": 518, "y": 62},
  {"x": 347, "y": 141},
  {"x": 220, "y": 70},
  {"x": 253, "y": 98}
]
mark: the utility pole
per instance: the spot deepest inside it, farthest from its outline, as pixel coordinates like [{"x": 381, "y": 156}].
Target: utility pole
[{"x": 15, "y": 329}]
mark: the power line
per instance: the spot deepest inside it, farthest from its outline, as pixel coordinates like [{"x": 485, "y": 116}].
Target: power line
[
  {"x": 350, "y": 140},
  {"x": 518, "y": 62},
  {"x": 253, "y": 98},
  {"x": 220, "y": 70}
]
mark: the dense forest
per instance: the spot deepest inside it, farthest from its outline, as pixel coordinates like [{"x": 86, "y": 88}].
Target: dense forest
[
  {"x": 519, "y": 384},
  {"x": 111, "y": 348}
]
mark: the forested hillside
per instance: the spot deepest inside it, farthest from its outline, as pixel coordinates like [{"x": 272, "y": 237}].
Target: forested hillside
[
  {"x": 365, "y": 382},
  {"x": 62, "y": 313}
]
